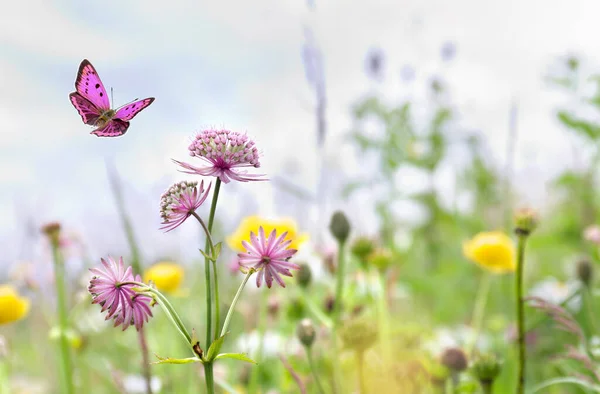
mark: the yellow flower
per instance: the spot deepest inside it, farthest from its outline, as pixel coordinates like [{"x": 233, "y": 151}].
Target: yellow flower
[
  {"x": 252, "y": 223},
  {"x": 494, "y": 251},
  {"x": 12, "y": 306},
  {"x": 166, "y": 275}
]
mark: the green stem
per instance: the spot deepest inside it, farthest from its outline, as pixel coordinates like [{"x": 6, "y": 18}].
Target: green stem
[
  {"x": 127, "y": 227},
  {"x": 65, "y": 354},
  {"x": 4, "y": 383},
  {"x": 520, "y": 312},
  {"x": 383, "y": 314},
  {"x": 211, "y": 218},
  {"x": 235, "y": 301},
  {"x": 208, "y": 374},
  {"x": 588, "y": 299},
  {"x": 337, "y": 313},
  {"x": 168, "y": 309},
  {"x": 316, "y": 311},
  {"x": 262, "y": 328},
  {"x": 217, "y": 302},
  {"x": 360, "y": 358},
  {"x": 479, "y": 310},
  {"x": 313, "y": 370}
]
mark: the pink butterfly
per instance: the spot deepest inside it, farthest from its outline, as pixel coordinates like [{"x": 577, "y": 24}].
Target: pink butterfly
[{"x": 91, "y": 101}]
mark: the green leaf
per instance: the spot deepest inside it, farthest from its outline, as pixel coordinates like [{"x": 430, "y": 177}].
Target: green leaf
[
  {"x": 168, "y": 360},
  {"x": 214, "y": 348},
  {"x": 582, "y": 126},
  {"x": 217, "y": 251},
  {"x": 236, "y": 356},
  {"x": 205, "y": 255},
  {"x": 552, "y": 382}
]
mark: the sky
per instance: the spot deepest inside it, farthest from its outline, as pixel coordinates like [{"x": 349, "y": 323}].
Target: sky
[{"x": 238, "y": 65}]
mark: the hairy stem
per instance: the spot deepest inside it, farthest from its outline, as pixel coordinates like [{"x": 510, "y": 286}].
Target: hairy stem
[{"x": 520, "y": 312}]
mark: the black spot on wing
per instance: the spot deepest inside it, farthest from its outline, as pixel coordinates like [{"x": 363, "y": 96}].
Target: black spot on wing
[
  {"x": 101, "y": 94},
  {"x": 97, "y": 86}
]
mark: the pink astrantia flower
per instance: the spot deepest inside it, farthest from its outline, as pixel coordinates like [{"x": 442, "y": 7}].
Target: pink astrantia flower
[
  {"x": 179, "y": 202},
  {"x": 138, "y": 311},
  {"x": 225, "y": 154},
  {"x": 269, "y": 256},
  {"x": 123, "y": 303}
]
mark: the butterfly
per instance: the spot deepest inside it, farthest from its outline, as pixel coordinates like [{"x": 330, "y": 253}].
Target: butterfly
[{"x": 91, "y": 101}]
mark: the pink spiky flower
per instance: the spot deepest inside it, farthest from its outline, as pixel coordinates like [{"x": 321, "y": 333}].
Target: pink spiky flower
[
  {"x": 269, "y": 256},
  {"x": 180, "y": 202},
  {"x": 225, "y": 154},
  {"x": 109, "y": 289}
]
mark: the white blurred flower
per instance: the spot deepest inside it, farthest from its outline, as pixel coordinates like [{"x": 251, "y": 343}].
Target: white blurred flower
[
  {"x": 557, "y": 292},
  {"x": 273, "y": 343},
  {"x": 136, "y": 384},
  {"x": 461, "y": 336}
]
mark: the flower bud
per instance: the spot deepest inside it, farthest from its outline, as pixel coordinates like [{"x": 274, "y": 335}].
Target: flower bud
[
  {"x": 329, "y": 304},
  {"x": 454, "y": 359},
  {"x": 339, "y": 226},
  {"x": 585, "y": 271},
  {"x": 361, "y": 248},
  {"x": 359, "y": 334},
  {"x": 381, "y": 259},
  {"x": 52, "y": 231},
  {"x": 304, "y": 275},
  {"x": 306, "y": 332},
  {"x": 486, "y": 369},
  {"x": 526, "y": 220}
]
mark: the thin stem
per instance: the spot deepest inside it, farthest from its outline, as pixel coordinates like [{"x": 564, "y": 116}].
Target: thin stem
[
  {"x": 290, "y": 369},
  {"x": 337, "y": 313},
  {"x": 235, "y": 301},
  {"x": 206, "y": 231},
  {"x": 208, "y": 374},
  {"x": 217, "y": 302},
  {"x": 588, "y": 299},
  {"x": 262, "y": 328},
  {"x": 520, "y": 312},
  {"x": 382, "y": 315},
  {"x": 211, "y": 218},
  {"x": 113, "y": 179},
  {"x": 479, "y": 310},
  {"x": 360, "y": 358},
  {"x": 145, "y": 360},
  {"x": 313, "y": 370},
  {"x": 65, "y": 354},
  {"x": 4, "y": 386},
  {"x": 170, "y": 311}
]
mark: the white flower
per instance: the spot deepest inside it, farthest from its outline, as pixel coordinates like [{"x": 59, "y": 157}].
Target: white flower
[{"x": 557, "y": 292}]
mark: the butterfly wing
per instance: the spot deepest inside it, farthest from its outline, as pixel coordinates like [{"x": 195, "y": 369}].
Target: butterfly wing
[
  {"x": 129, "y": 111},
  {"x": 90, "y": 87},
  {"x": 88, "y": 111},
  {"x": 113, "y": 128}
]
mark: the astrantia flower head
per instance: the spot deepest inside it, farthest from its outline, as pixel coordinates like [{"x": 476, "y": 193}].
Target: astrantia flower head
[
  {"x": 179, "y": 202},
  {"x": 224, "y": 153},
  {"x": 109, "y": 289},
  {"x": 269, "y": 256}
]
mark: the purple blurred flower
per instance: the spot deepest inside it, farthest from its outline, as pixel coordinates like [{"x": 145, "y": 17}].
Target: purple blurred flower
[
  {"x": 269, "y": 256},
  {"x": 448, "y": 51},
  {"x": 122, "y": 302},
  {"x": 179, "y": 202},
  {"x": 224, "y": 152}
]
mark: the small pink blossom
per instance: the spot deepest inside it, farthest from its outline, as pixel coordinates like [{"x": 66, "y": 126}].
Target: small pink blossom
[
  {"x": 269, "y": 256},
  {"x": 225, "y": 153},
  {"x": 180, "y": 202},
  {"x": 109, "y": 289},
  {"x": 592, "y": 234}
]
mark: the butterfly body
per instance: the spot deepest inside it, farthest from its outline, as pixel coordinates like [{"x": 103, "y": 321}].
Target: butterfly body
[{"x": 91, "y": 101}]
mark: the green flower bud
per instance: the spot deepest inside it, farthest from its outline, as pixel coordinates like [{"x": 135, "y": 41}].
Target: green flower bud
[
  {"x": 306, "y": 332},
  {"x": 526, "y": 220},
  {"x": 486, "y": 369},
  {"x": 339, "y": 226},
  {"x": 304, "y": 275},
  {"x": 359, "y": 334}
]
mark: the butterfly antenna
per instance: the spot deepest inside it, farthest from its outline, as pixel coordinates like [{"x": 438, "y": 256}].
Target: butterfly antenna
[{"x": 112, "y": 99}]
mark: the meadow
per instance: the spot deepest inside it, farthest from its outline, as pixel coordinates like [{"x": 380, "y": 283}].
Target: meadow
[{"x": 466, "y": 288}]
